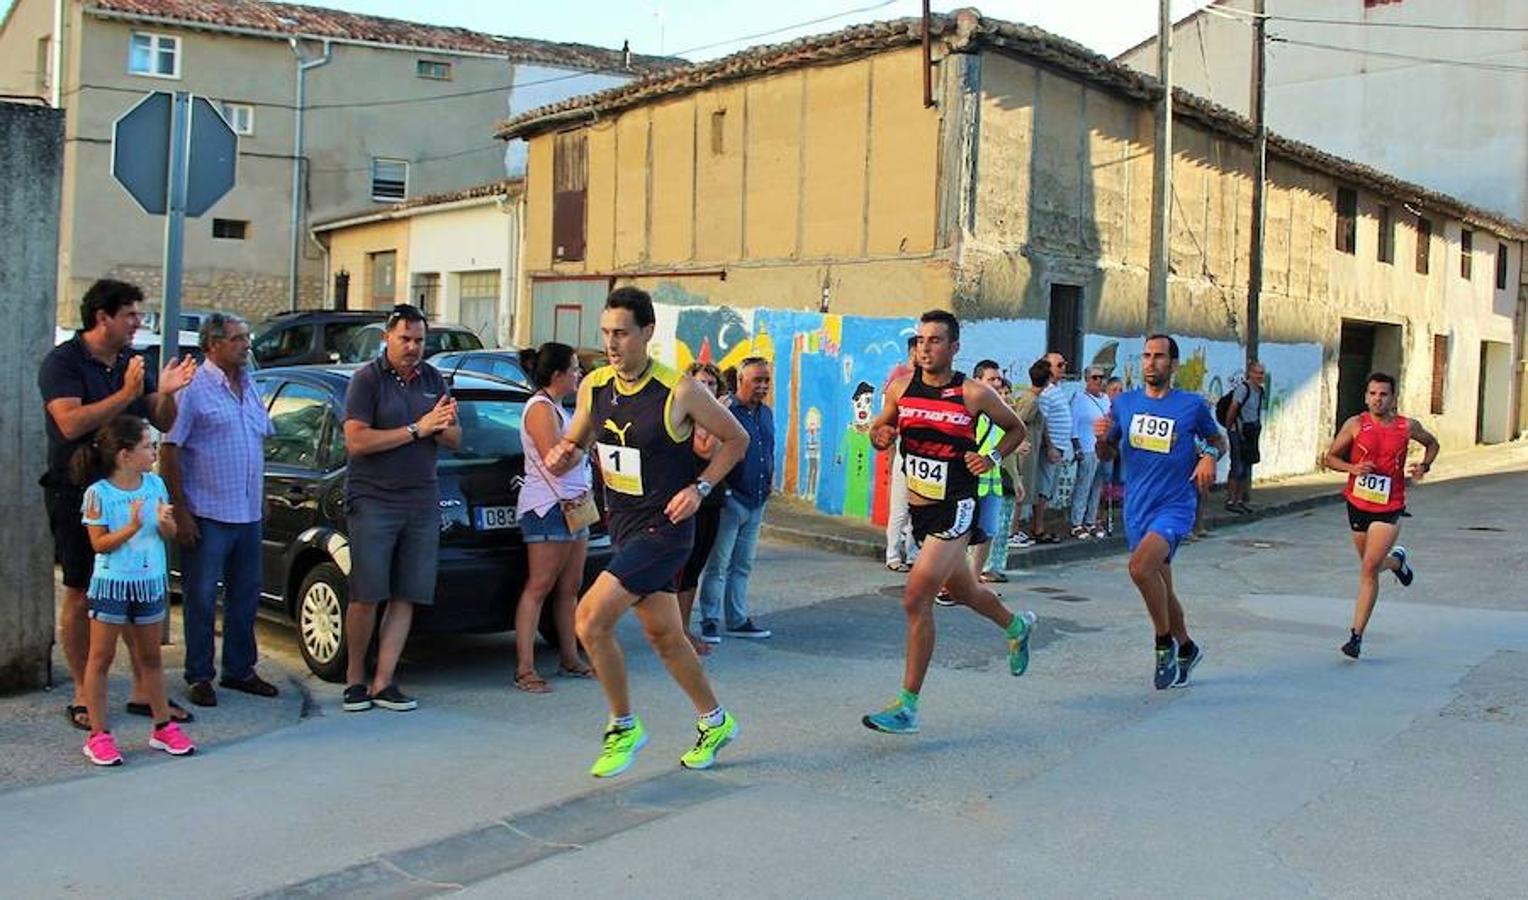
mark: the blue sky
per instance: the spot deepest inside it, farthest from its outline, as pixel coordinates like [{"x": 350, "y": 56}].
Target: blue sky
[{"x": 677, "y": 26}]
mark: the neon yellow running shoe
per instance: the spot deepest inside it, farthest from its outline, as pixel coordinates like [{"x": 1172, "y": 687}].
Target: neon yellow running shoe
[
  {"x": 621, "y": 746},
  {"x": 711, "y": 739}
]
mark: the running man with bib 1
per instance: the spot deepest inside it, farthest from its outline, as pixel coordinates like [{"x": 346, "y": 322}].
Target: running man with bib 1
[
  {"x": 1154, "y": 430},
  {"x": 1371, "y": 447},
  {"x": 933, "y": 411},
  {"x": 637, "y": 415}
]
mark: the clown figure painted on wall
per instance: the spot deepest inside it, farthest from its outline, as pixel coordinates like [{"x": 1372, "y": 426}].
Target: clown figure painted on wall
[{"x": 857, "y": 455}]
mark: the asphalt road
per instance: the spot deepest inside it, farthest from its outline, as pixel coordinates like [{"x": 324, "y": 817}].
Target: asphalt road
[{"x": 1284, "y": 770}]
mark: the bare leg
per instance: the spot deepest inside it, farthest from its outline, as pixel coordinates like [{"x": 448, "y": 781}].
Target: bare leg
[
  {"x": 939, "y": 562},
  {"x": 545, "y": 560},
  {"x": 97, "y": 670},
  {"x": 686, "y": 609},
  {"x": 970, "y": 592},
  {"x": 1176, "y": 619},
  {"x": 979, "y": 556},
  {"x": 659, "y": 614},
  {"x": 566, "y": 603},
  {"x": 144, "y": 645},
  {"x": 601, "y": 607},
  {"x": 360, "y": 622},
  {"x": 74, "y": 634},
  {"x": 1374, "y": 558},
  {"x": 1146, "y": 565},
  {"x": 395, "y": 633}
]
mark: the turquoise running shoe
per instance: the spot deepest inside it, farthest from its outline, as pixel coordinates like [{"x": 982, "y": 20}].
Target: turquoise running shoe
[
  {"x": 894, "y": 719},
  {"x": 1018, "y": 647}
]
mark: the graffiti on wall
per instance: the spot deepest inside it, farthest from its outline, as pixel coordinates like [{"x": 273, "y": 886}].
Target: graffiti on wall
[{"x": 831, "y": 373}]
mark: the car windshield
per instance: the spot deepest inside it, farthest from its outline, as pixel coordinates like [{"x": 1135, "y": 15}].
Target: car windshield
[{"x": 490, "y": 431}]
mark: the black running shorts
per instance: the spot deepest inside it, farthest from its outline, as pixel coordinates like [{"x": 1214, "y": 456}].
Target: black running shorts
[
  {"x": 950, "y": 520},
  {"x": 1360, "y": 519}
]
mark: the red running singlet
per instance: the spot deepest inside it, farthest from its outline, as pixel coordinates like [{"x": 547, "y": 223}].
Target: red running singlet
[{"x": 1384, "y": 489}]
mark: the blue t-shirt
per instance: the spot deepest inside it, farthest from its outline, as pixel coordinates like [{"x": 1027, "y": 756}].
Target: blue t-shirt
[
  {"x": 1157, "y": 440},
  {"x": 135, "y": 571}
]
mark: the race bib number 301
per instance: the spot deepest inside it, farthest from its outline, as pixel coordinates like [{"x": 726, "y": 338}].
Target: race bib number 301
[
  {"x": 1372, "y": 488},
  {"x": 926, "y": 477},
  {"x": 1154, "y": 434},
  {"x": 620, "y": 468}
]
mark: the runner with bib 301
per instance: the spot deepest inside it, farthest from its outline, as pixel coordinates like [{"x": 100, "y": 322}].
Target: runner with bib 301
[{"x": 1371, "y": 447}]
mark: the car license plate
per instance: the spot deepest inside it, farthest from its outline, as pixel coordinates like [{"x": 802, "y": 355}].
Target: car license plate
[{"x": 490, "y": 518}]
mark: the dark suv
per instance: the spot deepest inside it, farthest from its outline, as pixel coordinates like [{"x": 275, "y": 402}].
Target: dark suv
[
  {"x": 482, "y": 564},
  {"x": 314, "y": 336}
]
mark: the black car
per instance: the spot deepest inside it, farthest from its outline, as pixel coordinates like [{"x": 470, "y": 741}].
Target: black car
[
  {"x": 366, "y": 343},
  {"x": 310, "y": 337},
  {"x": 482, "y": 563}
]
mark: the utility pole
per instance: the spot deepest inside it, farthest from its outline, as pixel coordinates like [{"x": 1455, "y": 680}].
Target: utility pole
[
  {"x": 928, "y": 61},
  {"x": 1259, "y": 174},
  {"x": 1162, "y": 178}
]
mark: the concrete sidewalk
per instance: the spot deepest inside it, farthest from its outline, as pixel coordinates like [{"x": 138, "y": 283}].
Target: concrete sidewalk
[{"x": 792, "y": 521}]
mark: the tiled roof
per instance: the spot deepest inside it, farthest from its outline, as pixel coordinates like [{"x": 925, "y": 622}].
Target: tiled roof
[
  {"x": 966, "y": 30},
  {"x": 291, "y": 20},
  {"x": 509, "y": 187}
]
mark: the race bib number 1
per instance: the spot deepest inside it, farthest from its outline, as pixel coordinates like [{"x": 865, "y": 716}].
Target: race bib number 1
[
  {"x": 620, "y": 468},
  {"x": 1153, "y": 434},
  {"x": 1372, "y": 488},
  {"x": 926, "y": 477}
]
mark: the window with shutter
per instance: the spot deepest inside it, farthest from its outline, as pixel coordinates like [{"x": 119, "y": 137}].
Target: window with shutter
[
  {"x": 1466, "y": 253},
  {"x": 570, "y": 180},
  {"x": 1347, "y": 220},
  {"x": 1424, "y": 244}
]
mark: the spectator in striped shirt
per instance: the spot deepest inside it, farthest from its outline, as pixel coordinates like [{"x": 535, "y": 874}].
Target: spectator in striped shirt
[
  {"x": 1058, "y": 440},
  {"x": 213, "y": 461}
]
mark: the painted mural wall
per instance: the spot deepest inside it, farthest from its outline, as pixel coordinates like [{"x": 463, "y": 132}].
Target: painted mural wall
[{"x": 831, "y": 373}]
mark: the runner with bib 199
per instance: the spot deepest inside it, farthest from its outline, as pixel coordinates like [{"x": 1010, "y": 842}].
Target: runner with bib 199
[
  {"x": 1371, "y": 447},
  {"x": 638, "y": 416},
  {"x": 934, "y": 410},
  {"x": 1154, "y": 430}
]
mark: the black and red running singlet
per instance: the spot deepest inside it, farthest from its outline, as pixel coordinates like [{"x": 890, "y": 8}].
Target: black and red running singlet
[{"x": 937, "y": 431}]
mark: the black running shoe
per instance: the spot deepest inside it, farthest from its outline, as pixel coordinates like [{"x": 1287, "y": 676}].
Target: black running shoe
[
  {"x": 1354, "y": 645},
  {"x": 1403, "y": 572},
  {"x": 1186, "y": 665},
  {"x": 392, "y": 698},
  {"x": 1167, "y": 667},
  {"x": 357, "y": 698}
]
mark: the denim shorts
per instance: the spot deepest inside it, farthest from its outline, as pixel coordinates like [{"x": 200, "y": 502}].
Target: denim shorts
[
  {"x": 1049, "y": 473},
  {"x": 551, "y": 527},
  {"x": 129, "y": 612},
  {"x": 392, "y": 552}
]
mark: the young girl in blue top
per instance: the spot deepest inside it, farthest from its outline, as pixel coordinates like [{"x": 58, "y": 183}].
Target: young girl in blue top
[{"x": 127, "y": 513}]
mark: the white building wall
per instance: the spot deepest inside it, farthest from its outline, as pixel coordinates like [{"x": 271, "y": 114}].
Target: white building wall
[
  {"x": 460, "y": 240},
  {"x": 1459, "y": 129}
]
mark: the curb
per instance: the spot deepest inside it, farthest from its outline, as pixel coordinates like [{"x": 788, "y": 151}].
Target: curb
[{"x": 1051, "y": 554}]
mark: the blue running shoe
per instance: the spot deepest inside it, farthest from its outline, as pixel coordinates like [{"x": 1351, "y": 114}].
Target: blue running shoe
[
  {"x": 1167, "y": 666},
  {"x": 894, "y": 719},
  {"x": 1018, "y": 647},
  {"x": 1403, "y": 572},
  {"x": 1186, "y": 665}
]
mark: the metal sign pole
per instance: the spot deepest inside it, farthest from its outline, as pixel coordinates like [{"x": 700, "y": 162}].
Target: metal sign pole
[{"x": 175, "y": 226}]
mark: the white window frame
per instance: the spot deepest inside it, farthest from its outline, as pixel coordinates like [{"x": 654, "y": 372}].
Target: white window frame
[
  {"x": 231, "y": 111},
  {"x": 157, "y": 44},
  {"x": 383, "y": 160}
]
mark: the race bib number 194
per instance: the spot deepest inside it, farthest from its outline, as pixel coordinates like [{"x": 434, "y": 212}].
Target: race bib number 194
[
  {"x": 1153, "y": 434},
  {"x": 620, "y": 468},
  {"x": 1372, "y": 488},
  {"x": 926, "y": 477}
]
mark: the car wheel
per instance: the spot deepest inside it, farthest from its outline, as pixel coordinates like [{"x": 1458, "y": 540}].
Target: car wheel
[{"x": 321, "y": 603}]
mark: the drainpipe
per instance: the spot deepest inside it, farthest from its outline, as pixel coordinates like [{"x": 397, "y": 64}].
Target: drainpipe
[
  {"x": 56, "y": 62},
  {"x": 297, "y": 146}
]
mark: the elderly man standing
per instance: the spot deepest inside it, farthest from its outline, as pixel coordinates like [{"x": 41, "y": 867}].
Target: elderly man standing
[
  {"x": 397, "y": 411},
  {"x": 86, "y": 382},
  {"x": 737, "y": 536},
  {"x": 1244, "y": 427},
  {"x": 213, "y": 462},
  {"x": 1088, "y": 406},
  {"x": 1058, "y": 432}
]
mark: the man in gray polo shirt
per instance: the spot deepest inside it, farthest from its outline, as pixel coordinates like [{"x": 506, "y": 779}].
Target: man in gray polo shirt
[{"x": 397, "y": 410}]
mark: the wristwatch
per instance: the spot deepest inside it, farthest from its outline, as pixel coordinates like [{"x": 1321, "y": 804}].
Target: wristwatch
[
  {"x": 414, "y": 431},
  {"x": 996, "y": 457},
  {"x": 1212, "y": 452},
  {"x": 703, "y": 488}
]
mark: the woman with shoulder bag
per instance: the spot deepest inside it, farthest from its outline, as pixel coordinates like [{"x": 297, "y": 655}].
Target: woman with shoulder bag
[{"x": 554, "y": 514}]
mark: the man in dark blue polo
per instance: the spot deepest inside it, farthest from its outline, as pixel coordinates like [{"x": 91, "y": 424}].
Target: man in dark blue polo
[
  {"x": 737, "y": 536},
  {"x": 397, "y": 411},
  {"x": 86, "y": 382}
]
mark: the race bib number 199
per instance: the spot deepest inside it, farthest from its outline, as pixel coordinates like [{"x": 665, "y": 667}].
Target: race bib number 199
[
  {"x": 1372, "y": 488},
  {"x": 620, "y": 468},
  {"x": 926, "y": 477},
  {"x": 1153, "y": 434}
]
